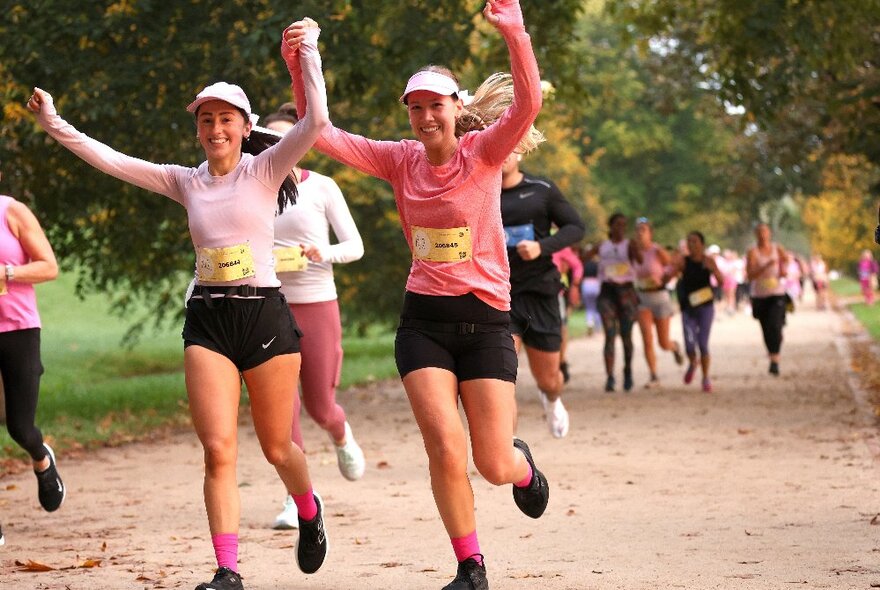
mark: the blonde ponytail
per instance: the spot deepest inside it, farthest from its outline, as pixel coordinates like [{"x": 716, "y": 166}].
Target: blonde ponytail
[{"x": 491, "y": 99}]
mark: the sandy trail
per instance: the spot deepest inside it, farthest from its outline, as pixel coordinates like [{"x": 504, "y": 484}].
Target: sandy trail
[{"x": 766, "y": 483}]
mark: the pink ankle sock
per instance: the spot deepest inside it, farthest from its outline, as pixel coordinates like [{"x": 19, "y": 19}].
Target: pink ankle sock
[
  {"x": 467, "y": 546},
  {"x": 226, "y": 550},
  {"x": 306, "y": 505},
  {"x": 524, "y": 483}
]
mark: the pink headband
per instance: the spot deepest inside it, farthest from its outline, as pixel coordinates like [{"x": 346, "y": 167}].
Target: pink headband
[{"x": 432, "y": 82}]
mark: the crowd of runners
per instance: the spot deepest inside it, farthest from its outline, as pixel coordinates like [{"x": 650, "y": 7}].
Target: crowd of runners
[{"x": 497, "y": 266}]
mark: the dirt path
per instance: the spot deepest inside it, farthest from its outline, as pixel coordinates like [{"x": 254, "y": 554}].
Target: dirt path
[{"x": 767, "y": 483}]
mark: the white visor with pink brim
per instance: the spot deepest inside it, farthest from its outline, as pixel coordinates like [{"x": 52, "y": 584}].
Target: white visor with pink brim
[{"x": 432, "y": 82}]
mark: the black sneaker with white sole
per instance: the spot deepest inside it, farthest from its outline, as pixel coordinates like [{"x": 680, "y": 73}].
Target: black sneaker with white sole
[
  {"x": 2, "y": 538},
  {"x": 471, "y": 575},
  {"x": 533, "y": 498},
  {"x": 224, "y": 579},
  {"x": 311, "y": 548},
  {"x": 51, "y": 488}
]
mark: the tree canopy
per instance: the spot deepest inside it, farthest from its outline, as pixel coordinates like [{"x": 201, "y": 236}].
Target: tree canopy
[{"x": 706, "y": 114}]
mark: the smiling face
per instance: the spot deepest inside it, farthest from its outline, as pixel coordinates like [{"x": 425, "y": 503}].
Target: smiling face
[
  {"x": 221, "y": 127},
  {"x": 432, "y": 118}
]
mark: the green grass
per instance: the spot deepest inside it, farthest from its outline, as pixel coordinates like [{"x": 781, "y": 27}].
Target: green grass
[
  {"x": 846, "y": 287},
  {"x": 869, "y": 317},
  {"x": 94, "y": 391}
]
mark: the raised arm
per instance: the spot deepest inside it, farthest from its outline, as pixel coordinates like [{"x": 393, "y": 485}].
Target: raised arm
[
  {"x": 301, "y": 41},
  {"x": 500, "y": 138},
  {"x": 368, "y": 156},
  {"x": 152, "y": 177}
]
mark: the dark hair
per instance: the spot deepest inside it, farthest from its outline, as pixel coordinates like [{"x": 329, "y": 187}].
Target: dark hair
[
  {"x": 614, "y": 217},
  {"x": 286, "y": 113},
  {"x": 699, "y": 236},
  {"x": 258, "y": 142}
]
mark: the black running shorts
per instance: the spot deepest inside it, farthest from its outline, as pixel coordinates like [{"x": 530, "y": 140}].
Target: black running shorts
[
  {"x": 461, "y": 334},
  {"x": 248, "y": 332},
  {"x": 536, "y": 319}
]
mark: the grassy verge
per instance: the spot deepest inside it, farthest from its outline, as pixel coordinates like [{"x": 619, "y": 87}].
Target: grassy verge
[
  {"x": 94, "y": 392},
  {"x": 868, "y": 316}
]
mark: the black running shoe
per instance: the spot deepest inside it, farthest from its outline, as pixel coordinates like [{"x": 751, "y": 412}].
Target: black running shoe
[
  {"x": 774, "y": 368},
  {"x": 563, "y": 368},
  {"x": 609, "y": 384},
  {"x": 2, "y": 538},
  {"x": 470, "y": 576},
  {"x": 311, "y": 548},
  {"x": 51, "y": 488},
  {"x": 533, "y": 498},
  {"x": 627, "y": 380},
  {"x": 224, "y": 579}
]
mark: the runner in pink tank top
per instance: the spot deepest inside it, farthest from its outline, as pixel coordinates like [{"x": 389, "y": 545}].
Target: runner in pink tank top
[
  {"x": 26, "y": 258},
  {"x": 453, "y": 342},
  {"x": 765, "y": 268},
  {"x": 238, "y": 325},
  {"x": 652, "y": 272}
]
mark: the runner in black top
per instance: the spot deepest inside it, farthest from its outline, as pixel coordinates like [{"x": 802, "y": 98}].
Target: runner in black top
[
  {"x": 697, "y": 303},
  {"x": 530, "y": 206}
]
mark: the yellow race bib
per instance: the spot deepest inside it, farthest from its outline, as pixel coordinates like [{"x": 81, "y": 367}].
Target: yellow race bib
[
  {"x": 290, "y": 259},
  {"x": 700, "y": 296},
  {"x": 229, "y": 263},
  {"x": 769, "y": 284},
  {"x": 617, "y": 271},
  {"x": 647, "y": 284},
  {"x": 441, "y": 245}
]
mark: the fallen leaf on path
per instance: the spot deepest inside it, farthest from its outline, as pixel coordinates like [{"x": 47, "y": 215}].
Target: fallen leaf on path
[
  {"x": 391, "y": 564},
  {"x": 382, "y": 465},
  {"x": 33, "y": 566},
  {"x": 743, "y": 431},
  {"x": 876, "y": 519}
]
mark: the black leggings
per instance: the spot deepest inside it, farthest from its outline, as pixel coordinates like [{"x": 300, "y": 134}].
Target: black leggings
[
  {"x": 20, "y": 368},
  {"x": 770, "y": 311}
]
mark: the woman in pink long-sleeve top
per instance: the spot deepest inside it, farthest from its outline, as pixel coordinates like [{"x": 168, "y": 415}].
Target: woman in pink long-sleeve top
[
  {"x": 453, "y": 342},
  {"x": 237, "y": 322}
]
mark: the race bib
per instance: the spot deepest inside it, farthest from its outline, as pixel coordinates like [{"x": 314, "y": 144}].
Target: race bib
[
  {"x": 441, "y": 245},
  {"x": 230, "y": 263},
  {"x": 648, "y": 284},
  {"x": 768, "y": 284},
  {"x": 617, "y": 271},
  {"x": 700, "y": 296},
  {"x": 514, "y": 234},
  {"x": 290, "y": 259}
]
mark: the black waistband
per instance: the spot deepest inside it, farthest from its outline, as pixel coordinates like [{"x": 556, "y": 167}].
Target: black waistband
[
  {"x": 236, "y": 291},
  {"x": 449, "y": 327}
]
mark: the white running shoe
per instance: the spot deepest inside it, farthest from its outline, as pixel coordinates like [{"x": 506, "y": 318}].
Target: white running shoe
[
  {"x": 288, "y": 518},
  {"x": 350, "y": 457},
  {"x": 556, "y": 415}
]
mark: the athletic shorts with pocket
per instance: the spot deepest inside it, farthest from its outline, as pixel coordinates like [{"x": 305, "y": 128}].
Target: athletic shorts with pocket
[
  {"x": 461, "y": 334},
  {"x": 536, "y": 319}
]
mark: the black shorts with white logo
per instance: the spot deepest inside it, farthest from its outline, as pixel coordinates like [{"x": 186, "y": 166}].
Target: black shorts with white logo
[
  {"x": 536, "y": 319},
  {"x": 247, "y": 331},
  {"x": 461, "y": 334}
]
